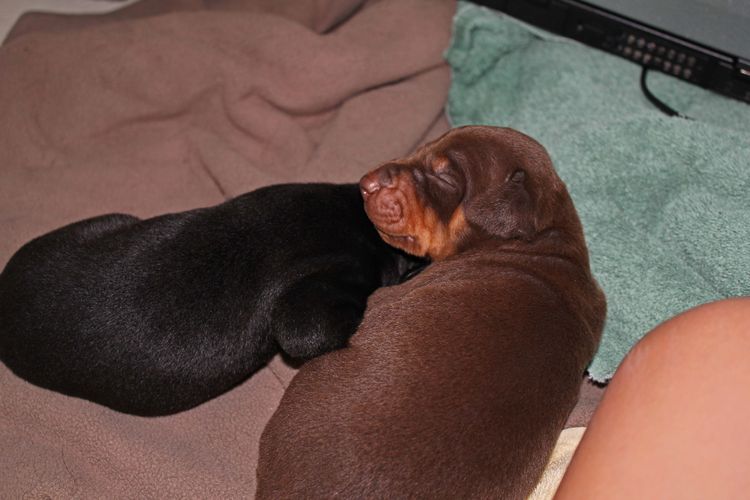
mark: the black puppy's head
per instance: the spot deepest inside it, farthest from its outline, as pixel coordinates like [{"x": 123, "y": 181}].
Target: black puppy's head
[{"x": 473, "y": 183}]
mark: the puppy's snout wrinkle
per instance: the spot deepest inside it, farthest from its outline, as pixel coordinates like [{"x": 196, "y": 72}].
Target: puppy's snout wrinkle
[
  {"x": 386, "y": 176},
  {"x": 390, "y": 208},
  {"x": 417, "y": 175}
]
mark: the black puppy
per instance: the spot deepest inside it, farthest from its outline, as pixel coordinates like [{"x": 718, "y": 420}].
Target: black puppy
[{"x": 155, "y": 316}]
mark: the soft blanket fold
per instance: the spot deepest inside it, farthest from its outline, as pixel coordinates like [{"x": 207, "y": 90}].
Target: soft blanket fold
[
  {"x": 156, "y": 109},
  {"x": 665, "y": 202}
]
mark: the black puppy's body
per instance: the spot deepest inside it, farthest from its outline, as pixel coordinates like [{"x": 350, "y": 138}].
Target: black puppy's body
[{"x": 155, "y": 316}]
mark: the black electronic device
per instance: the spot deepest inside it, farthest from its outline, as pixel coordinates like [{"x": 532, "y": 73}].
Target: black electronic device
[{"x": 651, "y": 36}]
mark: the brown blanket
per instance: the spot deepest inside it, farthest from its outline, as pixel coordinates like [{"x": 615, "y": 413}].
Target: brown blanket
[{"x": 168, "y": 106}]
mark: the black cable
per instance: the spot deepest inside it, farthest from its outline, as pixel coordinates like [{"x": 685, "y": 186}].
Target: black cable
[{"x": 656, "y": 101}]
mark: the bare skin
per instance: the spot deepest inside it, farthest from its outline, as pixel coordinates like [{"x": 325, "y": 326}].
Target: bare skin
[{"x": 674, "y": 420}]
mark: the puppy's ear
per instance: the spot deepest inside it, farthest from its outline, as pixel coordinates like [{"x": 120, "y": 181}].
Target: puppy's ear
[{"x": 507, "y": 210}]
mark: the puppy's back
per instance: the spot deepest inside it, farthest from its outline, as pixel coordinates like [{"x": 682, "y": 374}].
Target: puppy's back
[
  {"x": 452, "y": 388},
  {"x": 155, "y": 316}
]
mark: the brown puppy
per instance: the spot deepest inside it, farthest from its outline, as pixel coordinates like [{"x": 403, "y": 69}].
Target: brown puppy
[{"x": 459, "y": 381}]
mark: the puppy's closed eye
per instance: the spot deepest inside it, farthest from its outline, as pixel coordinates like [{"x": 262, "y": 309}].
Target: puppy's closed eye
[
  {"x": 445, "y": 173},
  {"x": 448, "y": 179}
]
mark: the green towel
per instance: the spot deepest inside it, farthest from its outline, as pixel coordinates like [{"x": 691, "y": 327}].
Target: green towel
[{"x": 665, "y": 202}]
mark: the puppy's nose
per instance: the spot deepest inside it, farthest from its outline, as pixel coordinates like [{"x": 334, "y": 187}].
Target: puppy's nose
[
  {"x": 383, "y": 177},
  {"x": 369, "y": 184}
]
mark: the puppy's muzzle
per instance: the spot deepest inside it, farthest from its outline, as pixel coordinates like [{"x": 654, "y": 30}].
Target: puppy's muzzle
[{"x": 384, "y": 201}]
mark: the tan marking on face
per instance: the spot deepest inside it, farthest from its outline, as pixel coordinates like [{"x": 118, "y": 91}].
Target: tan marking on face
[
  {"x": 431, "y": 237},
  {"x": 446, "y": 237},
  {"x": 458, "y": 228}
]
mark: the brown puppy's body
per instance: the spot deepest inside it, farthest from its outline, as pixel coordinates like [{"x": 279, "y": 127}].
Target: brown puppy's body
[{"x": 458, "y": 381}]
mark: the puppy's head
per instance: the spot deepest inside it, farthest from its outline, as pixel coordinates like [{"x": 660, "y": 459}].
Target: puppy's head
[{"x": 473, "y": 183}]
